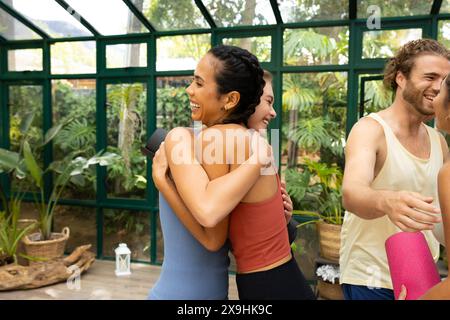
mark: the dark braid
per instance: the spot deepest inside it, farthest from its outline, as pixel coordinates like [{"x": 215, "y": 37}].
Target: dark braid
[{"x": 239, "y": 71}]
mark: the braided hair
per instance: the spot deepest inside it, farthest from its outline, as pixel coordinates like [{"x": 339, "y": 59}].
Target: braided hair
[{"x": 240, "y": 71}]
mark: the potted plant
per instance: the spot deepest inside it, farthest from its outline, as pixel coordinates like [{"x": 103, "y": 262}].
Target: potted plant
[
  {"x": 11, "y": 230},
  {"x": 46, "y": 244},
  {"x": 316, "y": 189}
]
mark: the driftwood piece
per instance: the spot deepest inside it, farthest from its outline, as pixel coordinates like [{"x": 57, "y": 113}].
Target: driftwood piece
[{"x": 14, "y": 276}]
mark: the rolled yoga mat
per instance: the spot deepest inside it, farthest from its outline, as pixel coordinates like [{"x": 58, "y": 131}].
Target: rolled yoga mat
[{"x": 411, "y": 264}]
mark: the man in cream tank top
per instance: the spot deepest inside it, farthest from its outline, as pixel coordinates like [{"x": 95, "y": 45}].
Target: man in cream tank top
[{"x": 390, "y": 177}]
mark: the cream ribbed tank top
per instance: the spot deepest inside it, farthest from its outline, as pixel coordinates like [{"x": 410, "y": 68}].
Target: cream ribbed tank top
[{"x": 363, "y": 258}]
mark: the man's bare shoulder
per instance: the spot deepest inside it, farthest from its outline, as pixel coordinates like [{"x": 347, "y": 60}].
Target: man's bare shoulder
[{"x": 368, "y": 129}]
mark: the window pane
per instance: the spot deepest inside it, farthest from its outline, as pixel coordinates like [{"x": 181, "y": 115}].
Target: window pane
[
  {"x": 313, "y": 117},
  {"x": 109, "y": 17},
  {"x": 13, "y": 29},
  {"x": 126, "y": 134},
  {"x": 304, "y": 10},
  {"x": 82, "y": 223},
  {"x": 444, "y": 32},
  {"x": 240, "y": 12},
  {"x": 383, "y": 44},
  {"x": 126, "y": 55},
  {"x": 52, "y": 18},
  {"x": 376, "y": 96},
  {"x": 75, "y": 99},
  {"x": 73, "y": 57},
  {"x": 260, "y": 46},
  {"x": 25, "y": 60},
  {"x": 181, "y": 52},
  {"x": 315, "y": 46},
  {"x": 172, "y": 102},
  {"x": 394, "y": 8},
  {"x": 445, "y": 6},
  {"x": 172, "y": 15},
  {"x": 23, "y": 101},
  {"x": 130, "y": 227}
]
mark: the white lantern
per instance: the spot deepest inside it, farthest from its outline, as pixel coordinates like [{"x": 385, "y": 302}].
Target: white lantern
[{"x": 123, "y": 260}]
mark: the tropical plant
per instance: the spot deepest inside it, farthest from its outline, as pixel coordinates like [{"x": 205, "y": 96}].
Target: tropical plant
[
  {"x": 316, "y": 189},
  {"x": 68, "y": 170},
  {"x": 10, "y": 231}
]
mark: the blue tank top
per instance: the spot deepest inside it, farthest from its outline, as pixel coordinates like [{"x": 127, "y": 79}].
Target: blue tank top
[{"x": 189, "y": 271}]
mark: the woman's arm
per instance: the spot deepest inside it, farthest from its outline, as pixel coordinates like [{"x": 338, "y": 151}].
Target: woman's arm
[
  {"x": 211, "y": 238},
  {"x": 442, "y": 290},
  {"x": 210, "y": 201}
]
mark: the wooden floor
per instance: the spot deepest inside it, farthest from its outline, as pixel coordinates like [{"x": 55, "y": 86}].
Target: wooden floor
[{"x": 100, "y": 283}]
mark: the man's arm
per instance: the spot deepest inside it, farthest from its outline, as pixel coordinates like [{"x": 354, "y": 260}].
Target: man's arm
[{"x": 359, "y": 198}]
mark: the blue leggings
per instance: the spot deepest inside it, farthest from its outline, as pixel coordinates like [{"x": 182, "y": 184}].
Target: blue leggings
[{"x": 354, "y": 292}]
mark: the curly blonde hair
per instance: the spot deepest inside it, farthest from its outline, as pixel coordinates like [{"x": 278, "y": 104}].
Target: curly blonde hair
[{"x": 403, "y": 61}]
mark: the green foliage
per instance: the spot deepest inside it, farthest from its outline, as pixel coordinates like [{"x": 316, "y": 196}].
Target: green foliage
[
  {"x": 173, "y": 106},
  {"x": 10, "y": 231},
  {"x": 316, "y": 190}
]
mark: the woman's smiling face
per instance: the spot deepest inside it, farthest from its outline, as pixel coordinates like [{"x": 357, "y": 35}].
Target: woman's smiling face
[{"x": 205, "y": 101}]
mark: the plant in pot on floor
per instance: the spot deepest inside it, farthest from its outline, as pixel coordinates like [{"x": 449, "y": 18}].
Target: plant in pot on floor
[
  {"x": 316, "y": 189},
  {"x": 46, "y": 244}
]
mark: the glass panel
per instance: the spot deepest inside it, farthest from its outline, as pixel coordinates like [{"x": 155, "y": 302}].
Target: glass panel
[
  {"x": 130, "y": 227},
  {"x": 376, "y": 96},
  {"x": 306, "y": 250},
  {"x": 445, "y": 6},
  {"x": 444, "y": 32},
  {"x": 383, "y": 44},
  {"x": 73, "y": 57},
  {"x": 25, "y": 60},
  {"x": 13, "y": 29},
  {"x": 172, "y": 102},
  {"x": 181, "y": 52},
  {"x": 52, "y": 18},
  {"x": 75, "y": 99},
  {"x": 304, "y": 10},
  {"x": 260, "y": 46},
  {"x": 126, "y": 133},
  {"x": 316, "y": 46},
  {"x": 394, "y": 8},
  {"x": 100, "y": 14},
  {"x": 240, "y": 12},
  {"x": 313, "y": 118},
  {"x": 126, "y": 55},
  {"x": 172, "y": 15},
  {"x": 82, "y": 223},
  {"x": 25, "y": 100}
]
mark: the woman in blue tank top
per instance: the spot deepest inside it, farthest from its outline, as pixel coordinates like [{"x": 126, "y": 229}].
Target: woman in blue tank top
[{"x": 195, "y": 265}]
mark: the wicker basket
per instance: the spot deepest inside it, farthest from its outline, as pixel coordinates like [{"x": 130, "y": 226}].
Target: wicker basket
[
  {"x": 330, "y": 291},
  {"x": 22, "y": 224},
  {"x": 48, "y": 249},
  {"x": 329, "y": 240}
]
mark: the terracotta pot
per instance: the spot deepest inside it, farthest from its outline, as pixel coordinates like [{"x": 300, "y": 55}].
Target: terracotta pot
[{"x": 329, "y": 240}]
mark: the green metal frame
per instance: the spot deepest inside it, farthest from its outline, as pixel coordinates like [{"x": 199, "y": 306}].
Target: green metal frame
[{"x": 104, "y": 76}]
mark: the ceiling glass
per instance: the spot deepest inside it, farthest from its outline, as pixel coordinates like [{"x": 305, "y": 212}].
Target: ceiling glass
[
  {"x": 172, "y": 15},
  {"x": 227, "y": 13},
  {"x": 51, "y": 18},
  {"x": 13, "y": 29},
  {"x": 304, "y": 10},
  {"x": 109, "y": 17},
  {"x": 393, "y": 8}
]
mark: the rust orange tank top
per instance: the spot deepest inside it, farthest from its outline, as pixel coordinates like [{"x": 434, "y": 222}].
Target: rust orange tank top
[{"x": 258, "y": 233}]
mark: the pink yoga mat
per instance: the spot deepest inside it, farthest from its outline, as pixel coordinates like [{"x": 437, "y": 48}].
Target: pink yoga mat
[{"x": 411, "y": 264}]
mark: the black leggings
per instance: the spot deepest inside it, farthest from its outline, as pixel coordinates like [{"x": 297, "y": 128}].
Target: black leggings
[{"x": 285, "y": 282}]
